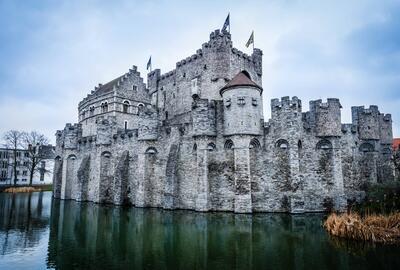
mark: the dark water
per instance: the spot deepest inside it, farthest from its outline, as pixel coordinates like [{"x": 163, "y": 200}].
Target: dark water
[{"x": 38, "y": 233}]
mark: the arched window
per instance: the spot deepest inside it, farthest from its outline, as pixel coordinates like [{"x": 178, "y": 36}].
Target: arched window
[
  {"x": 104, "y": 107},
  {"x": 282, "y": 144},
  {"x": 211, "y": 147},
  {"x": 140, "y": 105},
  {"x": 324, "y": 144},
  {"x": 151, "y": 151},
  {"x": 367, "y": 147},
  {"x": 106, "y": 154},
  {"x": 91, "y": 110},
  {"x": 125, "y": 106},
  {"x": 228, "y": 144},
  {"x": 254, "y": 143},
  {"x": 71, "y": 157}
]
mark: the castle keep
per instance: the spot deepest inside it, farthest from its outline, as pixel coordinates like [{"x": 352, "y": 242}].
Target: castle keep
[{"x": 195, "y": 138}]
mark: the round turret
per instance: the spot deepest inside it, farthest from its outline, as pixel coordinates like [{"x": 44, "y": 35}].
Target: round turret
[{"x": 242, "y": 106}]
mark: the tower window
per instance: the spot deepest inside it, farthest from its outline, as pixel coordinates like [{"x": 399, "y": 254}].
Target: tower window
[
  {"x": 126, "y": 125},
  {"x": 134, "y": 87},
  {"x": 104, "y": 107},
  {"x": 241, "y": 101},
  {"x": 227, "y": 102},
  {"x": 125, "y": 106},
  {"x": 254, "y": 102}
]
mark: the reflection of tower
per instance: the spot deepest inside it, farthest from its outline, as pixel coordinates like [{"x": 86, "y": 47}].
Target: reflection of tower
[{"x": 242, "y": 122}]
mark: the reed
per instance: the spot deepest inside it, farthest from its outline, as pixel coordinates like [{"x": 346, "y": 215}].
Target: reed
[
  {"x": 21, "y": 189},
  {"x": 373, "y": 227}
]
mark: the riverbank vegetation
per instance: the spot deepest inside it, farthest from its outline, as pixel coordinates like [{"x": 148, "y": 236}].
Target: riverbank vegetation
[
  {"x": 25, "y": 189},
  {"x": 374, "y": 219},
  {"x": 372, "y": 227}
]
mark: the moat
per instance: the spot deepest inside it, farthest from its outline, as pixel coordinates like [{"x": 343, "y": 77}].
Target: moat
[{"x": 37, "y": 232}]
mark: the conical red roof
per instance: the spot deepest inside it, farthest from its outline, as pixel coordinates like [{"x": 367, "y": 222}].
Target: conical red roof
[{"x": 241, "y": 79}]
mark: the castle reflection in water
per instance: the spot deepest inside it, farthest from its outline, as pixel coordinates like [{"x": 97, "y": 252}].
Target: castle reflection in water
[
  {"x": 110, "y": 237},
  {"x": 37, "y": 232}
]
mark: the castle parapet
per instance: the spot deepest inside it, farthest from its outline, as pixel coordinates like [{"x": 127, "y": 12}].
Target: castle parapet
[
  {"x": 204, "y": 117},
  {"x": 325, "y": 117},
  {"x": 105, "y": 127},
  {"x": 152, "y": 80},
  {"x": 367, "y": 121},
  {"x": 148, "y": 124},
  {"x": 386, "y": 133},
  {"x": 285, "y": 104},
  {"x": 70, "y": 135}
]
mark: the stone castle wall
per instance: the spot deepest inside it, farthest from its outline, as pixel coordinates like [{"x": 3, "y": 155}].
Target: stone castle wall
[{"x": 186, "y": 148}]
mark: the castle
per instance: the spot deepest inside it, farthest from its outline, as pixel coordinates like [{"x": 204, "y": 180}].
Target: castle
[{"x": 195, "y": 138}]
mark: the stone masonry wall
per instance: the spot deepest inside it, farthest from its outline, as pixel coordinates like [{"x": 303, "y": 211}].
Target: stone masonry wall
[{"x": 184, "y": 148}]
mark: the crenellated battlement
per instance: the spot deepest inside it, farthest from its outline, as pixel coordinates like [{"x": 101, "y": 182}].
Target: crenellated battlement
[
  {"x": 325, "y": 117},
  {"x": 285, "y": 103}
]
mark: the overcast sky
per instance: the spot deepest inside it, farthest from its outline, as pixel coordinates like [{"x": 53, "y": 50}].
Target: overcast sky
[{"x": 53, "y": 53}]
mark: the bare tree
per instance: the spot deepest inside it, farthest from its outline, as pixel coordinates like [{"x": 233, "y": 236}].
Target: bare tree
[
  {"x": 33, "y": 141},
  {"x": 13, "y": 141}
]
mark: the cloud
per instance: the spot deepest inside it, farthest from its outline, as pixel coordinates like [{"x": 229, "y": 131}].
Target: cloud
[{"x": 53, "y": 54}]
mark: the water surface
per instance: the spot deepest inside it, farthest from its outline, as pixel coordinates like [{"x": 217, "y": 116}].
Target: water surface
[{"x": 37, "y": 232}]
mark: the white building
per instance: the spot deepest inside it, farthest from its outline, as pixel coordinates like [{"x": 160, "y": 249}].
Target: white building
[{"x": 42, "y": 176}]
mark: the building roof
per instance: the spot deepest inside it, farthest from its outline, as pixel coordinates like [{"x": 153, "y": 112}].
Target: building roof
[
  {"x": 396, "y": 143},
  {"x": 108, "y": 87},
  {"x": 241, "y": 79}
]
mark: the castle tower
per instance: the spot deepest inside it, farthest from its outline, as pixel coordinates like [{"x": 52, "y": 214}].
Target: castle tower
[
  {"x": 242, "y": 106},
  {"x": 242, "y": 121},
  {"x": 326, "y": 118},
  {"x": 286, "y": 119}
]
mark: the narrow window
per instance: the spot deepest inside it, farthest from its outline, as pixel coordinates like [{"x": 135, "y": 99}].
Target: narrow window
[
  {"x": 241, "y": 101},
  {"x": 194, "y": 87},
  {"x": 126, "y": 125},
  {"x": 125, "y": 106},
  {"x": 228, "y": 102}
]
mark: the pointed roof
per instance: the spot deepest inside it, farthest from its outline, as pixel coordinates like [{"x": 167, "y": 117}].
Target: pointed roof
[{"x": 241, "y": 79}]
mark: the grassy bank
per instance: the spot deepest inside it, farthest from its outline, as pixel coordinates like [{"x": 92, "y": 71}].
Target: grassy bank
[
  {"x": 372, "y": 228},
  {"x": 24, "y": 189}
]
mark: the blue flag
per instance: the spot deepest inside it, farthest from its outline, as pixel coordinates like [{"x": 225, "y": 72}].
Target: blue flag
[{"x": 226, "y": 24}]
